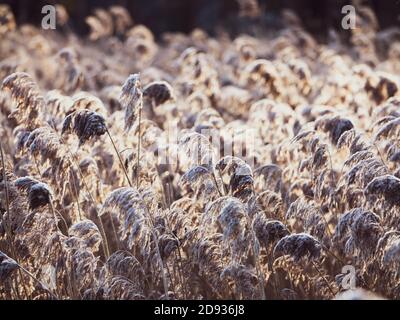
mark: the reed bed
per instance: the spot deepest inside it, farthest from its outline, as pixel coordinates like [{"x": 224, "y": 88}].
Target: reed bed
[{"x": 128, "y": 171}]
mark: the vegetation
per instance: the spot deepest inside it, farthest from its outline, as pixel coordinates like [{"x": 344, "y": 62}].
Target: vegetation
[{"x": 127, "y": 172}]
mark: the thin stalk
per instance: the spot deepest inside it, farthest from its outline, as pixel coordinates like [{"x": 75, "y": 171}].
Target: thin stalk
[
  {"x": 216, "y": 184},
  {"x": 323, "y": 277},
  {"x": 380, "y": 154},
  {"x": 114, "y": 231},
  {"x": 166, "y": 203},
  {"x": 62, "y": 219},
  {"x": 119, "y": 158},
  {"x": 51, "y": 204},
  {"x": 12, "y": 291},
  {"x": 7, "y": 194},
  {"x": 258, "y": 270},
  {"x": 185, "y": 291},
  {"x": 14, "y": 287},
  {"x": 12, "y": 248},
  {"x": 256, "y": 261},
  {"x": 180, "y": 266},
  {"x": 110, "y": 214},
  {"x": 164, "y": 277},
  {"x": 74, "y": 192},
  {"x": 138, "y": 149},
  {"x": 37, "y": 166},
  {"x": 326, "y": 222},
  {"x": 5, "y": 180},
  {"x": 167, "y": 194},
  {"x": 332, "y": 180},
  {"x": 155, "y": 238},
  {"x": 105, "y": 245},
  {"x": 36, "y": 280},
  {"x": 54, "y": 216},
  {"x": 222, "y": 181},
  {"x": 53, "y": 211},
  {"x": 273, "y": 275}
]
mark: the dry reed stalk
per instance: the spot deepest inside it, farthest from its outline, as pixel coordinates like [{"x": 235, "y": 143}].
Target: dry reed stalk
[
  {"x": 131, "y": 98},
  {"x": 323, "y": 278},
  {"x": 119, "y": 158},
  {"x": 155, "y": 238},
  {"x": 138, "y": 148},
  {"x": 140, "y": 221},
  {"x": 106, "y": 247},
  {"x": 8, "y": 232},
  {"x": 74, "y": 192},
  {"x": 35, "y": 279}
]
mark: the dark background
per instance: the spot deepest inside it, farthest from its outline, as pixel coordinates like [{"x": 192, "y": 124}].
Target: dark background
[{"x": 184, "y": 15}]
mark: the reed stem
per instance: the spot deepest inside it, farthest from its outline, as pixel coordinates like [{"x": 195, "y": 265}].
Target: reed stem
[{"x": 119, "y": 158}]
